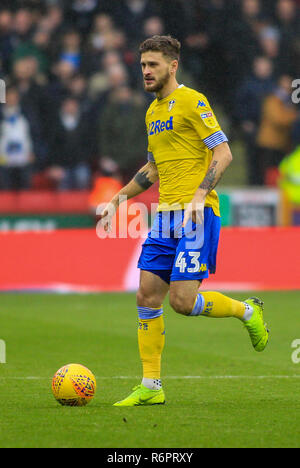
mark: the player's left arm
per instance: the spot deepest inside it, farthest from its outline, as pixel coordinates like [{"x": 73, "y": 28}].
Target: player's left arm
[{"x": 221, "y": 159}]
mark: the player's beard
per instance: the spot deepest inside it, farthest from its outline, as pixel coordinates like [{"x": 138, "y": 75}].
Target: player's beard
[{"x": 158, "y": 85}]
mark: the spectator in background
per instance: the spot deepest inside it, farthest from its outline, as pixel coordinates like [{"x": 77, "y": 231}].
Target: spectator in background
[
  {"x": 25, "y": 75},
  {"x": 117, "y": 76},
  {"x": 197, "y": 43},
  {"x": 57, "y": 89},
  {"x": 101, "y": 37},
  {"x": 287, "y": 18},
  {"x": 6, "y": 39},
  {"x": 121, "y": 131},
  {"x": 270, "y": 44},
  {"x": 16, "y": 145},
  {"x": 36, "y": 47},
  {"x": 106, "y": 184},
  {"x": 247, "y": 112},
  {"x": 24, "y": 23},
  {"x": 289, "y": 181},
  {"x": 77, "y": 88},
  {"x": 69, "y": 151},
  {"x": 53, "y": 20},
  {"x": 296, "y": 133},
  {"x": 274, "y": 136},
  {"x": 205, "y": 55},
  {"x": 130, "y": 15},
  {"x": 33, "y": 101},
  {"x": 71, "y": 48},
  {"x": 242, "y": 41},
  {"x": 81, "y": 13},
  {"x": 91, "y": 110},
  {"x": 174, "y": 16},
  {"x": 112, "y": 75},
  {"x": 152, "y": 26},
  {"x": 105, "y": 37}
]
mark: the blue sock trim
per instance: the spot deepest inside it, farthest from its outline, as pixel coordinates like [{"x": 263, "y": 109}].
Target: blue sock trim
[
  {"x": 146, "y": 313},
  {"x": 199, "y": 305}
]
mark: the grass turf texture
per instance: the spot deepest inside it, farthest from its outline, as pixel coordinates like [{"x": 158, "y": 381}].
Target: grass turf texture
[{"x": 240, "y": 399}]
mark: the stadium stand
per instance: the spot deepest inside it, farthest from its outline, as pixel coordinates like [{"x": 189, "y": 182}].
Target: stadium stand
[{"x": 72, "y": 74}]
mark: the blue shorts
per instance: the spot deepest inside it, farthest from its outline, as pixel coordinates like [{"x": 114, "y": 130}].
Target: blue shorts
[{"x": 177, "y": 254}]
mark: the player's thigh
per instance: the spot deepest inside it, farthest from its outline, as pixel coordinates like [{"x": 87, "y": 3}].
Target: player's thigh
[
  {"x": 183, "y": 294},
  {"x": 152, "y": 290}
]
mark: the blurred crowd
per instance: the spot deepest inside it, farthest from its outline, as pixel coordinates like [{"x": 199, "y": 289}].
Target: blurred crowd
[{"x": 75, "y": 104}]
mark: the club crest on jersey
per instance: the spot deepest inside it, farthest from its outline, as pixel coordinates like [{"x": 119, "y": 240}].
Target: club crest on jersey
[
  {"x": 171, "y": 104},
  {"x": 209, "y": 119},
  {"x": 160, "y": 126}
]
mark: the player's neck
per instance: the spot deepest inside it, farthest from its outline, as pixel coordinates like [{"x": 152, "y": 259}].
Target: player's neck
[{"x": 168, "y": 89}]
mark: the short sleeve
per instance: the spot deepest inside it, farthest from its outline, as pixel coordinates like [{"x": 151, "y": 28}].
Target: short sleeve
[
  {"x": 205, "y": 122},
  {"x": 150, "y": 156}
]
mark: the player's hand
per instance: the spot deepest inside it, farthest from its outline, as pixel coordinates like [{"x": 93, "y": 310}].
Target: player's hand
[
  {"x": 194, "y": 211},
  {"x": 106, "y": 216}
]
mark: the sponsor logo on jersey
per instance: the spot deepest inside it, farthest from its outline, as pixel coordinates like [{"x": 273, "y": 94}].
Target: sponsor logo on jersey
[
  {"x": 201, "y": 104},
  {"x": 160, "y": 126}
]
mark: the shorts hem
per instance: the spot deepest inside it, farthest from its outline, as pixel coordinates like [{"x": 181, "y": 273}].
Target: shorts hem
[{"x": 177, "y": 278}]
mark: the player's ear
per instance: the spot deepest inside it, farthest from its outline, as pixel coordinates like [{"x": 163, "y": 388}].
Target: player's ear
[{"x": 174, "y": 66}]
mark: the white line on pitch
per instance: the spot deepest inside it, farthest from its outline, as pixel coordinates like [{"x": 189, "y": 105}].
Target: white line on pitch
[{"x": 173, "y": 377}]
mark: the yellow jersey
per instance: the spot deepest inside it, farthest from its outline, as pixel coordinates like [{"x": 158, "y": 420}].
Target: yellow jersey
[{"x": 182, "y": 131}]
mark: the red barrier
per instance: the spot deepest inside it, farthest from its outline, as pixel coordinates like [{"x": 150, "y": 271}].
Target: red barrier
[
  {"x": 75, "y": 258},
  {"x": 78, "y": 260},
  {"x": 47, "y": 201},
  {"x": 259, "y": 258}
]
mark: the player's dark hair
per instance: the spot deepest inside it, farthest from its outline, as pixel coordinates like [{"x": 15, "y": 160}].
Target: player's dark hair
[{"x": 169, "y": 46}]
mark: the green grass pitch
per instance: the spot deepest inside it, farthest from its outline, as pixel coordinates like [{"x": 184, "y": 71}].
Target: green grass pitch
[{"x": 220, "y": 392}]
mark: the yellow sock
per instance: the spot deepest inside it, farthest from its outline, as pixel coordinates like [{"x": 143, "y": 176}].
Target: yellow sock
[
  {"x": 219, "y": 306},
  {"x": 151, "y": 340}
]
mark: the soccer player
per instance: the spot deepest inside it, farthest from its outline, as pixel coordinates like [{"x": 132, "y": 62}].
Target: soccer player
[{"x": 188, "y": 153}]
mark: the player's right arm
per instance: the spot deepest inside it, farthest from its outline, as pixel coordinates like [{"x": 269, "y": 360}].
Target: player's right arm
[{"x": 142, "y": 181}]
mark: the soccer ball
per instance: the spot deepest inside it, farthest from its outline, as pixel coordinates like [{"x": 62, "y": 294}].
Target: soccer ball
[{"x": 73, "y": 385}]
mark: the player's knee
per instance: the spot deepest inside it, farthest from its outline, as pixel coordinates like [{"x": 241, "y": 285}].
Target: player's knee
[
  {"x": 145, "y": 299},
  {"x": 180, "y": 304}
]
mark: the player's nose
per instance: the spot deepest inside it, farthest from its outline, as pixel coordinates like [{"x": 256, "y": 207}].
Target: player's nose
[{"x": 147, "y": 72}]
